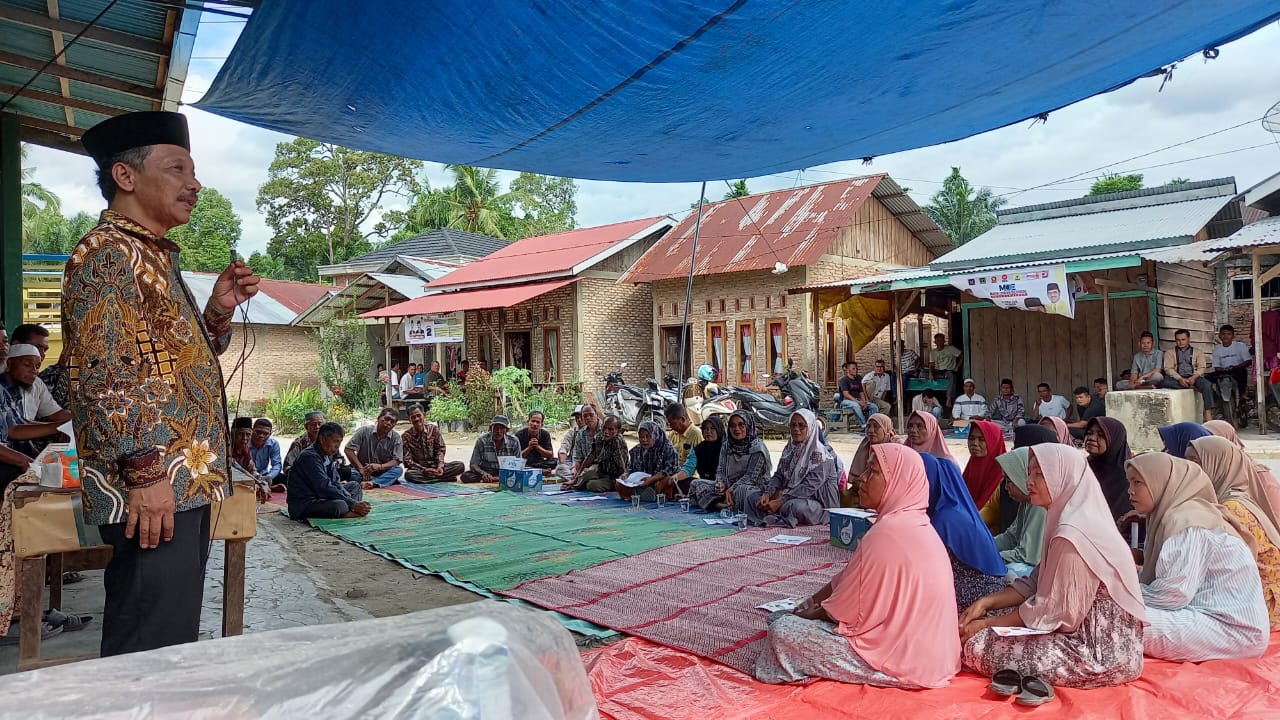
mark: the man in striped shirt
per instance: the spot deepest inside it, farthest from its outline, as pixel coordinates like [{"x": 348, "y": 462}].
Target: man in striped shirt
[{"x": 970, "y": 405}]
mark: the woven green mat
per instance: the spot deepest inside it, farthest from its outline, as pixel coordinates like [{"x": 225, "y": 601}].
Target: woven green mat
[{"x": 501, "y": 540}]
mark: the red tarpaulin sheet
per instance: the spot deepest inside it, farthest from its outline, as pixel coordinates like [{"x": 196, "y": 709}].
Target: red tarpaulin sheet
[{"x": 636, "y": 679}]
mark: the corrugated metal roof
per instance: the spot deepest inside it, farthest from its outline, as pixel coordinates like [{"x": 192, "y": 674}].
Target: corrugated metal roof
[
  {"x": 297, "y": 296},
  {"x": 1260, "y": 234},
  {"x": 555, "y": 255},
  {"x": 474, "y": 299},
  {"x": 890, "y": 194},
  {"x": 115, "y": 67},
  {"x": 444, "y": 244},
  {"x": 1069, "y": 236},
  {"x": 410, "y": 287},
  {"x": 427, "y": 269},
  {"x": 262, "y": 309},
  {"x": 795, "y": 227}
]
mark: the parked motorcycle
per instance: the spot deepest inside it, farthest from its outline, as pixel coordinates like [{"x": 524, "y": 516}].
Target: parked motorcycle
[
  {"x": 768, "y": 412},
  {"x": 634, "y": 405},
  {"x": 798, "y": 390}
]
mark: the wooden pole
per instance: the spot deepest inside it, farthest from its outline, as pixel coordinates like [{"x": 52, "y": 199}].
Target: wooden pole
[
  {"x": 895, "y": 335},
  {"x": 1259, "y": 356},
  {"x": 1106, "y": 332}
]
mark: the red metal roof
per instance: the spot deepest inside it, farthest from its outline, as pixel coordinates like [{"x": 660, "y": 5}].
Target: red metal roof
[
  {"x": 544, "y": 256},
  {"x": 297, "y": 296},
  {"x": 445, "y": 302},
  {"x": 795, "y": 227}
]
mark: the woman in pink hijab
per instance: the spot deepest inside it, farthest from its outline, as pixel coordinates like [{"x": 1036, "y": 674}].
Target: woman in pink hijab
[
  {"x": 1059, "y": 427},
  {"x": 1084, "y": 594},
  {"x": 884, "y": 620},
  {"x": 925, "y": 435}
]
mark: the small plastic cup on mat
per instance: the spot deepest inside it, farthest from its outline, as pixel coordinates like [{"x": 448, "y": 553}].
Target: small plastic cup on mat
[
  {"x": 635, "y": 502},
  {"x": 726, "y": 514},
  {"x": 740, "y": 520},
  {"x": 662, "y": 500},
  {"x": 684, "y": 504}
]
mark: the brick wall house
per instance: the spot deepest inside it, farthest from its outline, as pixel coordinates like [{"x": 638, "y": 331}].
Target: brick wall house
[
  {"x": 742, "y": 318},
  {"x": 553, "y": 304}
]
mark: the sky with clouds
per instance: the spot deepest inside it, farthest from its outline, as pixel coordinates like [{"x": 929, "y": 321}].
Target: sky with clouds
[{"x": 1203, "y": 97}]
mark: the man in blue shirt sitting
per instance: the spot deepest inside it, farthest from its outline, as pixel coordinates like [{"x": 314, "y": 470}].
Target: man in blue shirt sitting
[
  {"x": 266, "y": 453},
  {"x": 314, "y": 488}
]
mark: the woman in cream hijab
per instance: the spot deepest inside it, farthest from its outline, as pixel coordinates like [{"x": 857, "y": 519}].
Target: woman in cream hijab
[{"x": 1199, "y": 582}]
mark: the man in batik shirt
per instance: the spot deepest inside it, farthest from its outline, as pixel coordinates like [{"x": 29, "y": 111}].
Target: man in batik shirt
[
  {"x": 424, "y": 450},
  {"x": 146, "y": 387}
]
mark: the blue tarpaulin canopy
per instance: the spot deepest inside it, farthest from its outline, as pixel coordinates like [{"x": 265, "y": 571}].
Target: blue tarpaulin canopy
[{"x": 678, "y": 90}]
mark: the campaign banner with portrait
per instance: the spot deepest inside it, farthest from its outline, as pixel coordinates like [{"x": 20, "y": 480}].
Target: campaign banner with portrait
[
  {"x": 426, "y": 329},
  {"x": 1034, "y": 289}
]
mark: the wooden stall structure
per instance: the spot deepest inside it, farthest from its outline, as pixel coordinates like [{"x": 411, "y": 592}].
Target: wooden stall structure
[{"x": 1135, "y": 261}]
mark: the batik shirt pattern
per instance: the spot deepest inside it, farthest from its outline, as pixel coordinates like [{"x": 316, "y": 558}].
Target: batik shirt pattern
[{"x": 144, "y": 371}]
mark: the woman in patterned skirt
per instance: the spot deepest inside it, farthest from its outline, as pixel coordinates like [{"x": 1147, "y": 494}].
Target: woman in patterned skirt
[
  {"x": 1084, "y": 593},
  {"x": 1199, "y": 579},
  {"x": 1237, "y": 487},
  {"x": 976, "y": 565}
]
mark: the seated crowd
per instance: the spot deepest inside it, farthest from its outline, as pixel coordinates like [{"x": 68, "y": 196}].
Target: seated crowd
[{"x": 1095, "y": 557}]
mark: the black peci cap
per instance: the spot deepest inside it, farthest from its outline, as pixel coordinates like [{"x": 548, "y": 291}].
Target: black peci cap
[{"x": 139, "y": 129}]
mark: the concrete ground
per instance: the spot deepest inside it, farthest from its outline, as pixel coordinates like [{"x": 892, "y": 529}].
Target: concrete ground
[{"x": 297, "y": 575}]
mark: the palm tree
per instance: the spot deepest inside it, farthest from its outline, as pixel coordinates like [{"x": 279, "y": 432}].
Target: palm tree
[
  {"x": 737, "y": 189},
  {"x": 39, "y": 204},
  {"x": 475, "y": 202},
  {"x": 961, "y": 212}
]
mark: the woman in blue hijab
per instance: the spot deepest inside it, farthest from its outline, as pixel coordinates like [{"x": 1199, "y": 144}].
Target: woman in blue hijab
[
  {"x": 1177, "y": 437},
  {"x": 975, "y": 561}
]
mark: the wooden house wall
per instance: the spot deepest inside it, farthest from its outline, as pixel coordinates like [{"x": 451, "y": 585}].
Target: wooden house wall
[
  {"x": 874, "y": 234},
  {"x": 1032, "y": 348},
  {"x": 1186, "y": 298}
]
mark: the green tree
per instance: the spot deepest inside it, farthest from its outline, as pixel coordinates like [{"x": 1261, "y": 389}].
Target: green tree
[
  {"x": 549, "y": 205},
  {"x": 962, "y": 212},
  {"x": 345, "y": 358},
  {"x": 1112, "y": 183},
  {"x": 267, "y": 266},
  {"x": 474, "y": 203},
  {"x": 57, "y": 235},
  {"x": 208, "y": 237},
  {"x": 737, "y": 189},
  {"x": 1178, "y": 181},
  {"x": 319, "y": 198},
  {"x": 39, "y": 205}
]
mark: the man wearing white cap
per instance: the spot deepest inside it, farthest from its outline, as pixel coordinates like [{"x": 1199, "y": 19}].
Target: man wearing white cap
[
  {"x": 34, "y": 403},
  {"x": 146, "y": 386},
  {"x": 969, "y": 405},
  {"x": 13, "y": 427}
]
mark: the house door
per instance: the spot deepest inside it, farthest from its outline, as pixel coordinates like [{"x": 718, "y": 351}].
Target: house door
[
  {"x": 670, "y": 351},
  {"x": 518, "y": 349}
]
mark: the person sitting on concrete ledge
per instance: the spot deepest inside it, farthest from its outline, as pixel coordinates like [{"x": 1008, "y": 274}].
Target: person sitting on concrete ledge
[
  {"x": 536, "y": 444},
  {"x": 1007, "y": 409},
  {"x": 1185, "y": 367},
  {"x": 314, "y": 488},
  {"x": 377, "y": 451},
  {"x": 1148, "y": 365},
  {"x": 497, "y": 443}
]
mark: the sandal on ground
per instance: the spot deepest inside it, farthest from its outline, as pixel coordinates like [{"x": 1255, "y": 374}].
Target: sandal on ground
[
  {"x": 69, "y": 623},
  {"x": 1035, "y": 691},
  {"x": 1006, "y": 682},
  {"x": 71, "y": 578}
]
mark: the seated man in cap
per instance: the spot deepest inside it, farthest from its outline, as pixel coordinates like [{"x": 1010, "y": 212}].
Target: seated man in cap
[
  {"x": 969, "y": 405},
  {"x": 377, "y": 451},
  {"x": 490, "y": 446},
  {"x": 315, "y": 490},
  {"x": 146, "y": 386},
  {"x": 536, "y": 443},
  {"x": 242, "y": 456},
  {"x": 33, "y": 400},
  {"x": 424, "y": 451},
  {"x": 53, "y": 380}
]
